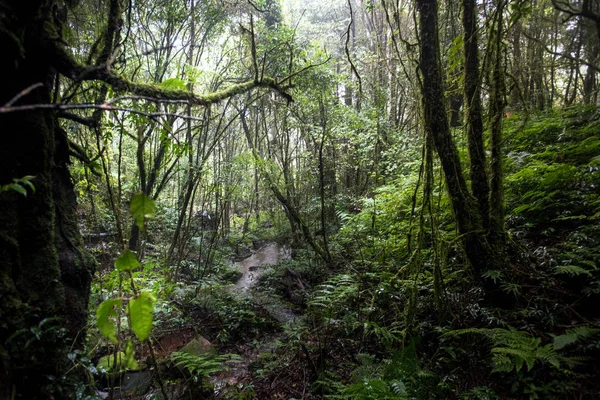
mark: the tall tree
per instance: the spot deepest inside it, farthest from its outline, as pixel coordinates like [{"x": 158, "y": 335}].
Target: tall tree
[
  {"x": 468, "y": 218},
  {"x": 474, "y": 120}
]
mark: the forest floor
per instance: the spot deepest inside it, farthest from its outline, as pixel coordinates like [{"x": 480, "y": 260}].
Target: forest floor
[
  {"x": 239, "y": 375},
  {"x": 246, "y": 374},
  {"x": 376, "y": 327}
]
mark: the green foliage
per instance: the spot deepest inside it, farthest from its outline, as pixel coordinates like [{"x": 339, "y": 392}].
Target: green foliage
[
  {"x": 107, "y": 363},
  {"x": 142, "y": 207},
  {"x": 512, "y": 349},
  {"x": 19, "y": 185},
  {"x": 127, "y": 261},
  {"x": 140, "y": 314},
  {"x": 396, "y": 378},
  {"x": 335, "y": 295},
  {"x": 480, "y": 393},
  {"x": 375, "y": 389},
  {"x": 380, "y": 230},
  {"x": 553, "y": 170},
  {"x": 203, "y": 365},
  {"x": 573, "y": 336},
  {"x": 119, "y": 361},
  {"x": 140, "y": 305},
  {"x": 571, "y": 270},
  {"x": 104, "y": 314},
  {"x": 173, "y": 83}
]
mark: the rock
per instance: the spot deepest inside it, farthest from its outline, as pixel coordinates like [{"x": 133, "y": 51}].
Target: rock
[
  {"x": 198, "y": 346},
  {"x": 173, "y": 341},
  {"x": 137, "y": 383}
]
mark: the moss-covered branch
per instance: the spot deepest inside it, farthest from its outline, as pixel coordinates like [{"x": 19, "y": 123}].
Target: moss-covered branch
[{"x": 64, "y": 63}]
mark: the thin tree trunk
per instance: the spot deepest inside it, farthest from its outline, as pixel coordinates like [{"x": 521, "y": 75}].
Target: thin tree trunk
[
  {"x": 472, "y": 90},
  {"x": 497, "y": 231}
]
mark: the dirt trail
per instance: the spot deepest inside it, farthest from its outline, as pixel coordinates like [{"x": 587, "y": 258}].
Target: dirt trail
[
  {"x": 252, "y": 268},
  {"x": 255, "y": 265}
]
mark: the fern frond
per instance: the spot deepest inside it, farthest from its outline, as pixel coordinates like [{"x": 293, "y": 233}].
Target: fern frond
[
  {"x": 511, "y": 348},
  {"x": 571, "y": 270},
  {"x": 202, "y": 365},
  {"x": 574, "y": 335}
]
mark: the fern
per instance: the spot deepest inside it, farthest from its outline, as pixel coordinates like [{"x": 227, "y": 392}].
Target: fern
[
  {"x": 573, "y": 336},
  {"x": 571, "y": 270},
  {"x": 400, "y": 377},
  {"x": 204, "y": 364},
  {"x": 376, "y": 389},
  {"x": 335, "y": 293},
  {"x": 513, "y": 349},
  {"x": 342, "y": 215}
]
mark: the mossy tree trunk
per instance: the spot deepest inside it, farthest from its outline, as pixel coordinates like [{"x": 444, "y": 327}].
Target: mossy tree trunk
[
  {"x": 498, "y": 236},
  {"x": 44, "y": 273},
  {"x": 468, "y": 218},
  {"x": 474, "y": 120}
]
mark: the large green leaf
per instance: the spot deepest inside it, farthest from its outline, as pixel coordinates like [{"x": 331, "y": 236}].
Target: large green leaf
[
  {"x": 140, "y": 315},
  {"x": 142, "y": 207},
  {"x": 173, "y": 84},
  {"x": 107, "y": 309},
  {"x": 127, "y": 261}
]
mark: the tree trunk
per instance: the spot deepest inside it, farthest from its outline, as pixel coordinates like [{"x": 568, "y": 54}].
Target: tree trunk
[
  {"x": 465, "y": 209},
  {"x": 44, "y": 273},
  {"x": 472, "y": 87},
  {"x": 497, "y": 214}
]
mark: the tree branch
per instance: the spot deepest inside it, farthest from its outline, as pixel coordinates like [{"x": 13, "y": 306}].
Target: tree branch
[
  {"x": 90, "y": 122},
  {"x": 68, "y": 66},
  {"x": 99, "y": 107},
  {"x": 563, "y": 55}
]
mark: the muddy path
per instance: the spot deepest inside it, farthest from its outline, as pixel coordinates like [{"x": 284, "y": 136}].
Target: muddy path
[
  {"x": 252, "y": 268},
  {"x": 255, "y": 265}
]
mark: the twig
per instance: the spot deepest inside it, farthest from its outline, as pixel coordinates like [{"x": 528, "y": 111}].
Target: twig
[
  {"x": 352, "y": 66},
  {"x": 290, "y": 76},
  {"x": 92, "y": 123},
  {"x": 147, "y": 98},
  {"x": 22, "y": 93},
  {"x": 101, "y": 107},
  {"x": 563, "y": 55},
  {"x": 255, "y": 6}
]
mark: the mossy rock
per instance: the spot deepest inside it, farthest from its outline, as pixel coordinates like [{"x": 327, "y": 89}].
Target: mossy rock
[
  {"x": 198, "y": 346},
  {"x": 232, "y": 275},
  {"x": 107, "y": 363}
]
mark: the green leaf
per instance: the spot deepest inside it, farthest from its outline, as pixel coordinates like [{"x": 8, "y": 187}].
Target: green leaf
[
  {"x": 18, "y": 188},
  {"x": 140, "y": 315},
  {"x": 127, "y": 261},
  {"x": 571, "y": 270},
  {"x": 31, "y": 185},
  {"x": 173, "y": 84},
  {"x": 142, "y": 207},
  {"x": 130, "y": 361},
  {"x": 107, "y": 309}
]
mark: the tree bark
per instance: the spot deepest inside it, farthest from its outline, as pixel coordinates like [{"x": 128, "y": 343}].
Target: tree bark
[
  {"x": 472, "y": 91},
  {"x": 44, "y": 272},
  {"x": 497, "y": 104},
  {"x": 468, "y": 219}
]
